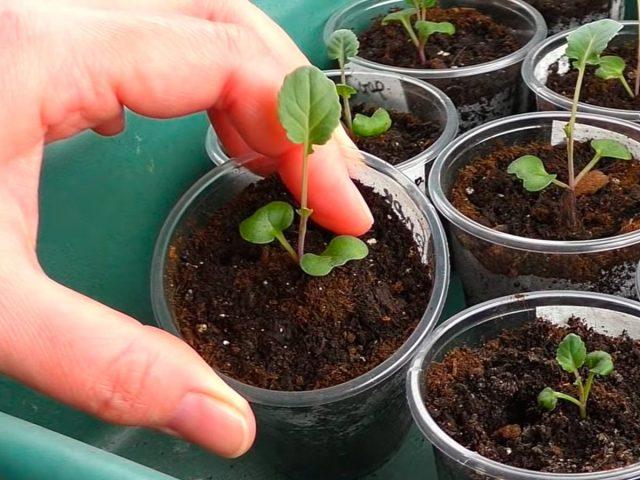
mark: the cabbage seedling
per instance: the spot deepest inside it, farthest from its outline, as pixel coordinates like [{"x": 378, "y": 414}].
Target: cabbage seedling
[
  {"x": 584, "y": 47},
  {"x": 343, "y": 45},
  {"x": 309, "y": 111},
  {"x": 572, "y": 356},
  {"x": 612, "y": 67},
  {"x": 420, "y": 31}
]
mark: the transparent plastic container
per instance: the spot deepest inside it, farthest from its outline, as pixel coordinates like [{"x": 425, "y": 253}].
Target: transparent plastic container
[
  {"x": 390, "y": 91},
  {"x": 536, "y": 66},
  {"x": 481, "y": 92},
  {"x": 557, "y": 23},
  {"x": 606, "y": 313},
  {"x": 342, "y": 431},
  {"x": 492, "y": 263}
]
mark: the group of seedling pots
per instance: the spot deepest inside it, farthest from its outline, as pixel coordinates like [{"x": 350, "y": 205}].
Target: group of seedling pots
[{"x": 347, "y": 430}]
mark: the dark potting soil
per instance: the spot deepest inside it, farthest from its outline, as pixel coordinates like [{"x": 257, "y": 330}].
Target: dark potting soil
[
  {"x": 478, "y": 39},
  {"x": 595, "y": 91},
  {"x": 252, "y": 314},
  {"x": 408, "y": 136},
  {"x": 486, "y": 399},
  {"x": 486, "y": 193},
  {"x": 564, "y": 11}
]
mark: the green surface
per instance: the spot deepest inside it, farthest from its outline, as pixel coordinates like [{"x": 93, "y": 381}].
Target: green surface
[{"x": 103, "y": 202}]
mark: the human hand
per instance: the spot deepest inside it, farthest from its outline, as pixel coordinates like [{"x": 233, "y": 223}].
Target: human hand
[{"x": 69, "y": 65}]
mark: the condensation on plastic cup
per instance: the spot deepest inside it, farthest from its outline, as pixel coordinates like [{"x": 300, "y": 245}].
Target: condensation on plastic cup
[
  {"x": 390, "y": 91},
  {"x": 492, "y": 263},
  {"x": 481, "y": 92},
  {"x": 607, "y": 314},
  {"x": 319, "y": 434},
  {"x": 536, "y": 65}
]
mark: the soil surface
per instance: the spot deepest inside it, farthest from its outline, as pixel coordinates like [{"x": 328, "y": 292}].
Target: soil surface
[
  {"x": 486, "y": 399},
  {"x": 556, "y": 12},
  {"x": 486, "y": 193},
  {"x": 254, "y": 315},
  {"x": 478, "y": 39},
  {"x": 595, "y": 91},
  {"x": 408, "y": 136}
]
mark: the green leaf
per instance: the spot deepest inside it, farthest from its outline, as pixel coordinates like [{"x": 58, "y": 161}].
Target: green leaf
[
  {"x": 422, "y": 3},
  {"x": 308, "y": 107},
  {"x": 340, "y": 250},
  {"x": 267, "y": 223},
  {"x": 402, "y": 16},
  {"x": 611, "y": 149},
  {"x": 345, "y": 91},
  {"x": 600, "y": 363},
  {"x": 426, "y": 29},
  {"x": 610, "y": 67},
  {"x": 571, "y": 353},
  {"x": 342, "y": 45},
  {"x": 547, "y": 399},
  {"x": 586, "y": 44},
  {"x": 531, "y": 171},
  {"x": 372, "y": 126}
]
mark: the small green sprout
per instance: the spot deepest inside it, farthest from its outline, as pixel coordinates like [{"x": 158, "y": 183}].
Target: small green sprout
[
  {"x": 309, "y": 111},
  {"x": 421, "y": 30},
  {"x": 340, "y": 250},
  {"x": 372, "y": 126},
  {"x": 572, "y": 356},
  {"x": 612, "y": 67},
  {"x": 343, "y": 45}
]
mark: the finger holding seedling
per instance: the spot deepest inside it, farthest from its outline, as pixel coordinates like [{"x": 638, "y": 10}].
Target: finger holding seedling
[{"x": 572, "y": 356}]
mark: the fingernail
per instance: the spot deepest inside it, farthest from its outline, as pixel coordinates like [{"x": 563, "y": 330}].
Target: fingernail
[{"x": 214, "y": 424}]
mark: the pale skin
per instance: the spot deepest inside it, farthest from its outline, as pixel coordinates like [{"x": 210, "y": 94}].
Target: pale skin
[{"x": 71, "y": 65}]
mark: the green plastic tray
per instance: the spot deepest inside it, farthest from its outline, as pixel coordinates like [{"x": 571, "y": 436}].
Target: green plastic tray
[{"x": 103, "y": 202}]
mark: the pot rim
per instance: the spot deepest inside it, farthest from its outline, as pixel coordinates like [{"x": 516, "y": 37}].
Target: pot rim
[
  {"x": 352, "y": 387},
  {"x": 536, "y": 20},
  {"x": 638, "y": 281},
  {"x": 452, "y": 449},
  {"x": 450, "y": 128},
  {"x": 446, "y": 208},
  {"x": 541, "y": 90}
]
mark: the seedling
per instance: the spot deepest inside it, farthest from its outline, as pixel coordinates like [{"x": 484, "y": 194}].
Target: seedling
[
  {"x": 414, "y": 21},
  {"x": 612, "y": 67},
  {"x": 572, "y": 356},
  {"x": 584, "y": 47},
  {"x": 309, "y": 111},
  {"x": 342, "y": 45}
]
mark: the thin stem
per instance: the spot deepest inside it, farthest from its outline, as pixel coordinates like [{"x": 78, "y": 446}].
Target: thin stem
[
  {"x": 570, "y": 147},
  {"x": 637, "y": 89},
  {"x": 346, "y": 107},
  {"x": 568, "y": 398},
  {"x": 305, "y": 213},
  {"x": 626, "y": 86},
  {"x": 287, "y": 246},
  {"x": 560, "y": 184},
  {"x": 406, "y": 23},
  {"x": 587, "y": 388},
  {"x": 596, "y": 158},
  {"x": 581, "y": 392},
  {"x": 421, "y": 53}
]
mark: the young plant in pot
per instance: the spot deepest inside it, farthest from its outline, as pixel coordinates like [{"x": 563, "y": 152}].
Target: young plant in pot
[
  {"x": 565, "y": 14},
  {"x": 471, "y": 50},
  {"x": 314, "y": 330},
  {"x": 611, "y": 84},
  {"x": 545, "y": 200},
  {"x": 399, "y": 119},
  {"x": 531, "y": 387}
]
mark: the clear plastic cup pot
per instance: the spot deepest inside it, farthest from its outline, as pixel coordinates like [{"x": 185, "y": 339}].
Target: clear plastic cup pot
[
  {"x": 480, "y": 92},
  {"x": 562, "y": 16},
  {"x": 346, "y": 430},
  {"x": 605, "y": 313},
  {"x": 395, "y": 92},
  {"x": 491, "y": 263},
  {"x": 535, "y": 72}
]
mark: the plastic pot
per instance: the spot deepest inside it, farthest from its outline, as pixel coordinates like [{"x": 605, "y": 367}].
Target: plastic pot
[
  {"x": 638, "y": 281},
  {"x": 536, "y": 66},
  {"x": 390, "y": 91},
  {"x": 492, "y": 263},
  {"x": 480, "y": 92},
  {"x": 559, "y": 15},
  {"x": 348, "y": 429},
  {"x": 474, "y": 326}
]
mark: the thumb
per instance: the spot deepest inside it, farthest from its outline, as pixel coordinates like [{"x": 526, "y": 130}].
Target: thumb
[{"x": 109, "y": 365}]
